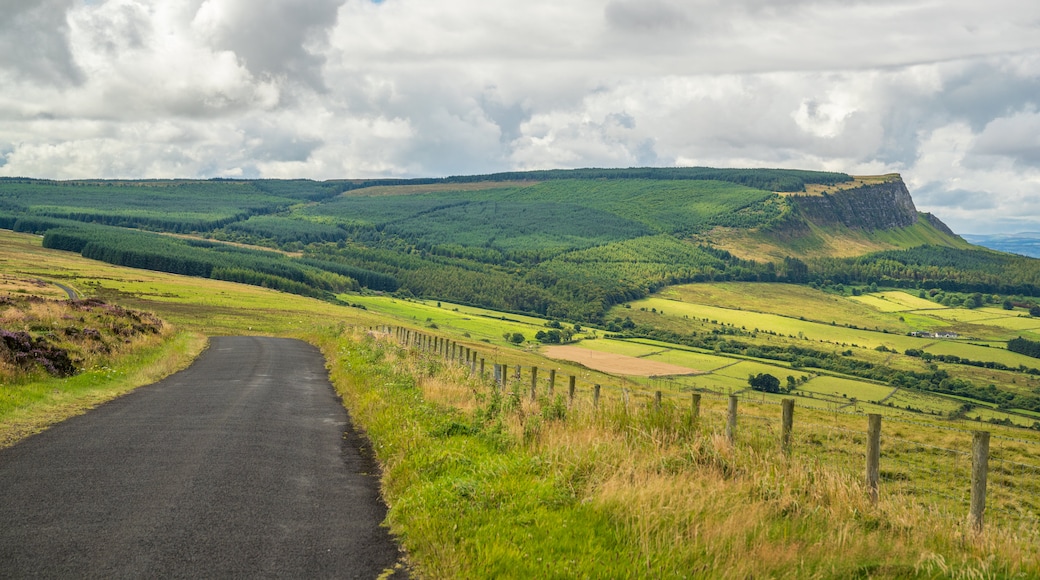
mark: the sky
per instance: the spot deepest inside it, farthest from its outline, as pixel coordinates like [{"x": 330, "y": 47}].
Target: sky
[{"x": 944, "y": 92}]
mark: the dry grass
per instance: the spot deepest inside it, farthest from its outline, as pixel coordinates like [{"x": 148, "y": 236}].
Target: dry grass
[{"x": 685, "y": 501}]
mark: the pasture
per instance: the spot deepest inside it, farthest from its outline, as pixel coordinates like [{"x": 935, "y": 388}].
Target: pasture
[
  {"x": 791, "y": 326},
  {"x": 466, "y": 321},
  {"x": 846, "y": 388}
]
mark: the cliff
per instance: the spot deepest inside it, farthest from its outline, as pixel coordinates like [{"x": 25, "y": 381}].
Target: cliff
[
  {"x": 879, "y": 206},
  {"x": 868, "y": 215}
]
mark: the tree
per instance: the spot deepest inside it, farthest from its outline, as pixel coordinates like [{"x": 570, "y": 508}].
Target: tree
[
  {"x": 516, "y": 338},
  {"x": 764, "y": 382},
  {"x": 552, "y": 337},
  {"x": 1034, "y": 311},
  {"x": 1008, "y": 305}
]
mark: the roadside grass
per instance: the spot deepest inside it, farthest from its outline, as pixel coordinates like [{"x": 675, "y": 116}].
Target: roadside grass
[
  {"x": 482, "y": 484},
  {"x": 31, "y": 405},
  {"x": 16, "y": 285}
]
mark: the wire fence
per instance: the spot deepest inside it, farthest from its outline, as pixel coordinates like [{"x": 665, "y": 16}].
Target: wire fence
[{"x": 930, "y": 463}]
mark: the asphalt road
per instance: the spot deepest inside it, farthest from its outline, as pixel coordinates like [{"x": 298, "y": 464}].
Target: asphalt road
[{"x": 244, "y": 465}]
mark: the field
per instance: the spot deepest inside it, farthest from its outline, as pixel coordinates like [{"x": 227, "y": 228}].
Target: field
[
  {"x": 617, "y": 364},
  {"x": 789, "y": 326},
  {"x": 466, "y": 321},
  {"x": 847, "y": 389}
]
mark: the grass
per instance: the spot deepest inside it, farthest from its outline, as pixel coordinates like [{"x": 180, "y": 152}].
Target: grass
[
  {"x": 481, "y": 484},
  {"x": 825, "y": 332},
  {"x": 478, "y": 323},
  {"x": 846, "y": 388},
  {"x": 30, "y": 407}
]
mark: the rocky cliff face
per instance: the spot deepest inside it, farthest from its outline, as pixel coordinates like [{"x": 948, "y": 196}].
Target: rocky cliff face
[{"x": 879, "y": 206}]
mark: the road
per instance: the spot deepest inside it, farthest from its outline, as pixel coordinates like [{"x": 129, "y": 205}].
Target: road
[{"x": 244, "y": 465}]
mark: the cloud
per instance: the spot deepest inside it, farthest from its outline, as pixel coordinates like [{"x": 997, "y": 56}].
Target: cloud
[
  {"x": 272, "y": 37},
  {"x": 34, "y": 42}
]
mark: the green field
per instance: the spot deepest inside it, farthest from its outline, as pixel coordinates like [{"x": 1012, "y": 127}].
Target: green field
[
  {"x": 784, "y": 325},
  {"x": 895, "y": 301},
  {"x": 846, "y": 388},
  {"x": 477, "y": 323},
  {"x": 982, "y": 353}
]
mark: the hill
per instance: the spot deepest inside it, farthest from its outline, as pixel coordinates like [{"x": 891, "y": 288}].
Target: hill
[{"x": 564, "y": 243}]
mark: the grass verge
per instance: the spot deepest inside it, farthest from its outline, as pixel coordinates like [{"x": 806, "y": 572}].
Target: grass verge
[
  {"x": 31, "y": 407},
  {"x": 487, "y": 484}
]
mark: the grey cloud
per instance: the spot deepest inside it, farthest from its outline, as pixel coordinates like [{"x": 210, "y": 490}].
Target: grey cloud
[
  {"x": 272, "y": 36},
  {"x": 1016, "y": 137},
  {"x": 34, "y": 41},
  {"x": 644, "y": 15},
  {"x": 508, "y": 117},
  {"x": 278, "y": 144},
  {"x": 936, "y": 195},
  {"x": 984, "y": 90}
]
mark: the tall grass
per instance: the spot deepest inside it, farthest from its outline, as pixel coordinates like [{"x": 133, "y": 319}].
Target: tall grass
[{"x": 482, "y": 483}]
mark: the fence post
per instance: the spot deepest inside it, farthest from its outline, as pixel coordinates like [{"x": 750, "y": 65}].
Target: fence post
[
  {"x": 695, "y": 406},
  {"x": 731, "y": 423},
  {"x": 873, "y": 455},
  {"x": 534, "y": 383},
  {"x": 499, "y": 379},
  {"x": 979, "y": 470},
  {"x": 786, "y": 425},
  {"x": 595, "y": 395},
  {"x": 570, "y": 389},
  {"x": 517, "y": 375},
  {"x": 482, "y": 367},
  {"x": 657, "y": 401},
  {"x": 552, "y": 381}
]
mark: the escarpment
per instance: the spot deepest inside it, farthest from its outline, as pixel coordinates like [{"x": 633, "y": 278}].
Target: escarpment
[{"x": 879, "y": 206}]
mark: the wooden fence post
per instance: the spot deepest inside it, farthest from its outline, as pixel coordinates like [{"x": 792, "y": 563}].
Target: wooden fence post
[
  {"x": 979, "y": 470},
  {"x": 499, "y": 378},
  {"x": 481, "y": 367},
  {"x": 534, "y": 384},
  {"x": 552, "y": 381},
  {"x": 787, "y": 423},
  {"x": 731, "y": 423},
  {"x": 695, "y": 406},
  {"x": 657, "y": 401},
  {"x": 873, "y": 455},
  {"x": 570, "y": 389},
  {"x": 595, "y": 396}
]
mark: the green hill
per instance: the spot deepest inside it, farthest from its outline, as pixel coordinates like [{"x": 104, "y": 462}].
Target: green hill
[{"x": 561, "y": 243}]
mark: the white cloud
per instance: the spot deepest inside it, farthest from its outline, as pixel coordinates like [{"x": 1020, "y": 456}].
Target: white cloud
[{"x": 946, "y": 93}]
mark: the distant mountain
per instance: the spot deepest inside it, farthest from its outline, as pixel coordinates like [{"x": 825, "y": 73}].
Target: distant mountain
[{"x": 1023, "y": 243}]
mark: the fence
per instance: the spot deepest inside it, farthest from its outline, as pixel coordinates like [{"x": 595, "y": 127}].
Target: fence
[{"x": 951, "y": 470}]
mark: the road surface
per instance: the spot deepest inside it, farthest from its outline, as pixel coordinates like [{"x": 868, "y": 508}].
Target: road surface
[{"x": 245, "y": 465}]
